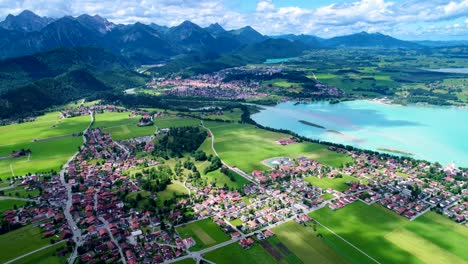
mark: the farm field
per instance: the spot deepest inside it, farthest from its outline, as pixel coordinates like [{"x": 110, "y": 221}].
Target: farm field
[
  {"x": 21, "y": 241},
  {"x": 206, "y": 233},
  {"x": 8, "y": 204},
  {"x": 46, "y": 256},
  {"x": 234, "y": 253},
  {"x": 121, "y": 126},
  {"x": 338, "y": 184},
  {"x": 232, "y": 141},
  {"x": 305, "y": 244},
  {"x": 428, "y": 239},
  {"x": 49, "y": 138}
]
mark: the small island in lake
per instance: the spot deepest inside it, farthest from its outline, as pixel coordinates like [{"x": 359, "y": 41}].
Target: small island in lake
[
  {"x": 311, "y": 124},
  {"x": 396, "y": 151}
]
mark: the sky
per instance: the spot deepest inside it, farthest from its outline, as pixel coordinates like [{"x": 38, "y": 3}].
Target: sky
[{"x": 405, "y": 19}]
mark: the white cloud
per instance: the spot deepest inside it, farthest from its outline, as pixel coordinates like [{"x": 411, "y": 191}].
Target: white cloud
[
  {"x": 265, "y": 6},
  {"x": 402, "y": 18}
]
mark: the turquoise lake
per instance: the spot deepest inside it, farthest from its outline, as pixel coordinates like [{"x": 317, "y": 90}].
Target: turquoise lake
[{"x": 428, "y": 132}]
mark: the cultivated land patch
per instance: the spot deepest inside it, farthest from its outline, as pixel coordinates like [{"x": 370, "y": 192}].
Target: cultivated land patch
[
  {"x": 304, "y": 243},
  {"x": 390, "y": 238},
  {"x": 206, "y": 233},
  {"x": 46, "y": 256},
  {"x": 422, "y": 248},
  {"x": 246, "y": 146},
  {"x": 21, "y": 241},
  {"x": 48, "y": 138}
]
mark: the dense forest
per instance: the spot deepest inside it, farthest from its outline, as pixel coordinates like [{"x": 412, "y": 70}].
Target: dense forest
[{"x": 179, "y": 141}]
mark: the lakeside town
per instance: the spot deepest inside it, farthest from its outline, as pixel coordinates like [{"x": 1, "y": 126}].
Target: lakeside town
[
  {"x": 232, "y": 84},
  {"x": 84, "y": 206}
]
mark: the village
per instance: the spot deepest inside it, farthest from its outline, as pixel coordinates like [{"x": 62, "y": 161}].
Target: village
[{"x": 86, "y": 205}]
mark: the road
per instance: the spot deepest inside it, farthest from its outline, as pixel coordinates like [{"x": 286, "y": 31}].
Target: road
[
  {"x": 32, "y": 252},
  {"x": 106, "y": 226},
  {"x": 236, "y": 170},
  {"x": 74, "y": 228},
  {"x": 18, "y": 198},
  {"x": 198, "y": 254}
]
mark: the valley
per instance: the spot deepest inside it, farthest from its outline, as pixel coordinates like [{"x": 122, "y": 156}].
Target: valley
[{"x": 185, "y": 143}]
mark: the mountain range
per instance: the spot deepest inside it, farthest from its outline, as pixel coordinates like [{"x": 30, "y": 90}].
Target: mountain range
[
  {"x": 49, "y": 61},
  {"x": 28, "y": 33}
]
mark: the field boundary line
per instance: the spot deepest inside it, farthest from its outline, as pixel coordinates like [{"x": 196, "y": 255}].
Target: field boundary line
[{"x": 347, "y": 242}]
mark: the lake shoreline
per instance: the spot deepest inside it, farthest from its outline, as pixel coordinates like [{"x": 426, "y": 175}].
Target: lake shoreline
[{"x": 424, "y": 133}]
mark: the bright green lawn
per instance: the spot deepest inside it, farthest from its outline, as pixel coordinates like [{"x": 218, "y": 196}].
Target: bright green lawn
[
  {"x": 206, "y": 233},
  {"x": 390, "y": 238},
  {"x": 46, "y": 256},
  {"x": 6, "y": 205},
  {"x": 21, "y": 241},
  {"x": 246, "y": 146},
  {"x": 338, "y": 184}
]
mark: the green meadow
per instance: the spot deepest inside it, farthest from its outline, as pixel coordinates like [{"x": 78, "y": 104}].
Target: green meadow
[
  {"x": 46, "y": 256},
  {"x": 246, "y": 146},
  {"x": 9, "y": 204},
  {"x": 390, "y": 238},
  {"x": 257, "y": 253},
  {"x": 48, "y": 137},
  {"x": 21, "y": 241},
  {"x": 121, "y": 125},
  {"x": 206, "y": 233}
]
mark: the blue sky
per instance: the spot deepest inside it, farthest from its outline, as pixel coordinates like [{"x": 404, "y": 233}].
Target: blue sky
[{"x": 405, "y": 19}]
